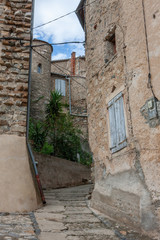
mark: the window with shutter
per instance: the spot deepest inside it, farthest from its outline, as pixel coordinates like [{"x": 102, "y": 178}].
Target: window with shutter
[
  {"x": 117, "y": 123},
  {"x": 60, "y": 86}
]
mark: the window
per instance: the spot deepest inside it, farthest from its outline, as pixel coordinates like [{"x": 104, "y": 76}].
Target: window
[
  {"x": 60, "y": 86},
  {"x": 112, "y": 41},
  {"x": 110, "y": 45},
  {"x": 117, "y": 123},
  {"x": 39, "y": 68}
]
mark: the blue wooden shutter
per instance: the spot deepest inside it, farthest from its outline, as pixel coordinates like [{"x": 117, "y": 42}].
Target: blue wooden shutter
[
  {"x": 117, "y": 123},
  {"x": 112, "y": 123},
  {"x": 56, "y": 84},
  {"x": 63, "y": 87},
  {"x": 60, "y": 86}
]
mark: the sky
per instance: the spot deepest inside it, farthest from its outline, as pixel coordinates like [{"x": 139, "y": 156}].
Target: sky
[{"x": 62, "y": 30}]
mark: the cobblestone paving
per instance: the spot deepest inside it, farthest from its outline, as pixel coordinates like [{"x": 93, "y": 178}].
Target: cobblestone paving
[
  {"x": 65, "y": 217},
  {"x": 17, "y": 227}
]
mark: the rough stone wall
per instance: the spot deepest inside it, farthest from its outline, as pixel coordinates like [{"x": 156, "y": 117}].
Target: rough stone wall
[
  {"x": 61, "y": 66},
  {"x": 78, "y": 84},
  {"x": 41, "y": 82},
  {"x": 78, "y": 89},
  {"x": 18, "y": 192},
  {"x": 126, "y": 182},
  {"x": 14, "y": 65}
]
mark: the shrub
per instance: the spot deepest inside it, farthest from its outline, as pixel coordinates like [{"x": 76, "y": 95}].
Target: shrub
[
  {"x": 37, "y": 134},
  {"x": 63, "y": 139},
  {"x": 47, "y": 149}
]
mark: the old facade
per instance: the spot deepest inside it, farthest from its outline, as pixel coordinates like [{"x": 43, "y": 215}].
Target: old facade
[
  {"x": 66, "y": 76},
  {"x": 17, "y": 187},
  {"x": 41, "y": 78},
  {"x": 123, "y": 59},
  {"x": 73, "y": 72}
]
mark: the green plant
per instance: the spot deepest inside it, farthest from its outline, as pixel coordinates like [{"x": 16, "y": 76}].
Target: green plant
[
  {"x": 85, "y": 158},
  {"x": 47, "y": 149},
  {"x": 67, "y": 139},
  {"x": 57, "y": 135},
  {"x": 37, "y": 134}
]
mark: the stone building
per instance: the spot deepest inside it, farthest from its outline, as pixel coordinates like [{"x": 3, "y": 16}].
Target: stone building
[
  {"x": 41, "y": 78},
  {"x": 17, "y": 187},
  {"x": 66, "y": 76},
  {"x": 73, "y": 72},
  {"x": 123, "y": 59}
]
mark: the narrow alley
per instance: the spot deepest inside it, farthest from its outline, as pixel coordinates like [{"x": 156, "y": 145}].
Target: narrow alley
[{"x": 66, "y": 216}]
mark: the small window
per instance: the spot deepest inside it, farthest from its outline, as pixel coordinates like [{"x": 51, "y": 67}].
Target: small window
[
  {"x": 60, "y": 86},
  {"x": 110, "y": 45},
  {"x": 118, "y": 138},
  {"x": 39, "y": 68},
  {"x": 112, "y": 41}
]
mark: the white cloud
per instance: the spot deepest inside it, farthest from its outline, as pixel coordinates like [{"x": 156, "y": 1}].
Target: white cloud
[
  {"x": 59, "y": 56},
  {"x": 65, "y": 29},
  {"x": 79, "y": 49}
]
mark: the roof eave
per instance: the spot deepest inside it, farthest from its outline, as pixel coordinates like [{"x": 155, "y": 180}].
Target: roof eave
[{"x": 79, "y": 13}]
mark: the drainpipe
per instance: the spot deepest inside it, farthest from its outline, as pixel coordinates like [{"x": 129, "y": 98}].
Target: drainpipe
[
  {"x": 70, "y": 107},
  {"x": 155, "y": 99},
  {"x": 28, "y": 111}
]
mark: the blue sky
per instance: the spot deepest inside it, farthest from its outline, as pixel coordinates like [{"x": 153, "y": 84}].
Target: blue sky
[{"x": 63, "y": 30}]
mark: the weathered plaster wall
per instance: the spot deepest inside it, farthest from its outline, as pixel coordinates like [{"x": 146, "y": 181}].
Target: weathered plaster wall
[
  {"x": 41, "y": 82},
  {"x": 17, "y": 187},
  {"x": 126, "y": 182}
]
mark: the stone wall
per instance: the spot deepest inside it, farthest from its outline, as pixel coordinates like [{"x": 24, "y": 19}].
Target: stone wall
[
  {"x": 77, "y": 74},
  {"x": 58, "y": 173},
  {"x": 127, "y": 181},
  {"x": 14, "y": 65},
  {"x": 18, "y": 192},
  {"x": 41, "y": 81}
]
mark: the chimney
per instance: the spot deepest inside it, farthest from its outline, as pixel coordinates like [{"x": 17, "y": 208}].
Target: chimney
[{"x": 73, "y": 63}]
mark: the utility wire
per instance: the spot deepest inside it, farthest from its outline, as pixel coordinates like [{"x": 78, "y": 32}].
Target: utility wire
[
  {"x": 60, "y": 69},
  {"x": 40, "y": 45},
  {"x": 67, "y": 70},
  {"x": 75, "y": 11},
  {"x": 53, "y": 44},
  {"x": 71, "y": 77}
]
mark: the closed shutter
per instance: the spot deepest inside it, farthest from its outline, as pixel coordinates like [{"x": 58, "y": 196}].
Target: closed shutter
[
  {"x": 112, "y": 122},
  {"x": 56, "y": 85},
  {"x": 117, "y": 123},
  {"x": 63, "y": 87},
  {"x": 60, "y": 86}
]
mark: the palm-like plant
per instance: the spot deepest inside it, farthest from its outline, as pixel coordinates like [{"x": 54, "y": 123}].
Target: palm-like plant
[
  {"x": 54, "y": 107},
  {"x": 54, "y": 111}
]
